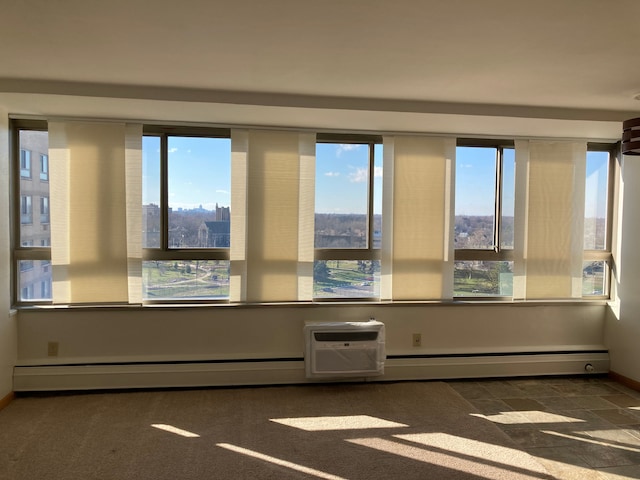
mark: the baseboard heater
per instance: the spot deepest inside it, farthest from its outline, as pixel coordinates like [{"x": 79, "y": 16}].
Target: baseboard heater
[{"x": 344, "y": 349}]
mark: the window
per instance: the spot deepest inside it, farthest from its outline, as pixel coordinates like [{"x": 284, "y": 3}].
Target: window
[
  {"x": 484, "y": 220},
  {"x": 44, "y": 209},
  {"x": 44, "y": 167},
  {"x": 25, "y": 163},
  {"x": 26, "y": 210},
  {"x": 186, "y": 214},
  {"x": 32, "y": 257},
  {"x": 348, "y": 217},
  {"x": 598, "y": 200}
]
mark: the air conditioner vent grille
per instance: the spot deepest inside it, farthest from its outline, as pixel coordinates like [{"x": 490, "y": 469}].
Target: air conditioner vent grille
[{"x": 346, "y": 336}]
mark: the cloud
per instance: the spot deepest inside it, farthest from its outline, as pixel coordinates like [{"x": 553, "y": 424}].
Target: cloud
[
  {"x": 359, "y": 176},
  {"x": 348, "y": 147},
  {"x": 332, "y": 174},
  {"x": 222, "y": 191},
  {"x": 173, "y": 150}
]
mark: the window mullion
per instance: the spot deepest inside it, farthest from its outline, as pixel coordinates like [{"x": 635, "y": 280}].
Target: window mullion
[
  {"x": 370, "y": 222},
  {"x": 164, "y": 192},
  {"x": 498, "y": 202}
]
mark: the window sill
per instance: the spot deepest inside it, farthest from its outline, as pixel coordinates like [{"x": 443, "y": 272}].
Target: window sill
[{"x": 323, "y": 304}]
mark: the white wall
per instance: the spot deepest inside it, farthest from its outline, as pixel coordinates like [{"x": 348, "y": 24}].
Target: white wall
[
  {"x": 623, "y": 318},
  {"x": 250, "y": 332},
  {"x": 156, "y": 334},
  {"x": 8, "y": 338}
]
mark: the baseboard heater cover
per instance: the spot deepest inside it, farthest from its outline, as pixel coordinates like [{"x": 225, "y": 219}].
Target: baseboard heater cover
[
  {"x": 344, "y": 349},
  {"x": 290, "y": 371}
]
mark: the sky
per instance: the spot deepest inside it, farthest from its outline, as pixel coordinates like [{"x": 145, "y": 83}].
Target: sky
[
  {"x": 476, "y": 180},
  {"x": 342, "y": 174},
  {"x": 200, "y": 174}
]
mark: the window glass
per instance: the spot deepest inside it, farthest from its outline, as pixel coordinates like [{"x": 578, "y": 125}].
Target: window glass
[
  {"x": 34, "y": 276},
  {"x": 596, "y": 195},
  {"x": 508, "y": 197},
  {"x": 199, "y": 190},
  {"x": 377, "y": 197},
  {"x": 196, "y": 202},
  {"x": 484, "y": 221},
  {"x": 346, "y": 278},
  {"x": 475, "y": 201},
  {"x": 348, "y": 217},
  {"x": 342, "y": 195},
  {"x": 483, "y": 278},
  {"x": 595, "y": 272},
  {"x": 34, "y": 279},
  {"x": 151, "y": 222},
  {"x": 594, "y": 278},
  {"x": 185, "y": 279}
]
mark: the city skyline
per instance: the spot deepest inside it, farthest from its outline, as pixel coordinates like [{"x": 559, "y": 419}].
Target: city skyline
[{"x": 200, "y": 177}]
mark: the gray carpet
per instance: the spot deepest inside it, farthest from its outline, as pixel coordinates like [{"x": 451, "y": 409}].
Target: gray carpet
[{"x": 408, "y": 430}]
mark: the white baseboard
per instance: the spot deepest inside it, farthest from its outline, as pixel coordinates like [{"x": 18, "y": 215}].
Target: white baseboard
[{"x": 205, "y": 374}]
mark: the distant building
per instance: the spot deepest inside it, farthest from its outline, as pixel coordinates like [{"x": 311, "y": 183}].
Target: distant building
[
  {"x": 151, "y": 226},
  {"x": 216, "y": 233},
  {"x": 35, "y": 276}
]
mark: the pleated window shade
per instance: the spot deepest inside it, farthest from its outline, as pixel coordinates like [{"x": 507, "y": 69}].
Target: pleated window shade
[
  {"x": 554, "y": 219},
  {"x": 274, "y": 250},
  {"x": 95, "y": 191},
  {"x": 418, "y": 206}
]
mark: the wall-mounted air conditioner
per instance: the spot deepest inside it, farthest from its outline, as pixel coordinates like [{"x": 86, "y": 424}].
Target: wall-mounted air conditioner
[{"x": 344, "y": 349}]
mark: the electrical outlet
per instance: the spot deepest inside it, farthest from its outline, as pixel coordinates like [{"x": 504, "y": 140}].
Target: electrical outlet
[
  {"x": 52, "y": 349},
  {"x": 417, "y": 339}
]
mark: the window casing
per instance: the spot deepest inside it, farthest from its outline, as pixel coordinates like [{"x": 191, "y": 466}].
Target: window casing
[
  {"x": 484, "y": 219},
  {"x": 348, "y": 217},
  {"x": 203, "y": 255},
  {"x": 186, "y": 245}
]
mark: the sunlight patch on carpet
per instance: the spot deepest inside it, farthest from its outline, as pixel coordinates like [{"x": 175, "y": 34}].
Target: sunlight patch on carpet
[
  {"x": 347, "y": 422},
  {"x": 593, "y": 441},
  {"x": 487, "y": 461},
  {"x": 176, "y": 430},
  {"x": 279, "y": 462},
  {"x": 512, "y": 418}
]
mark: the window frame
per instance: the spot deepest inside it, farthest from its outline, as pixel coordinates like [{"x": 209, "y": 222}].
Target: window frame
[
  {"x": 606, "y": 254},
  {"x": 498, "y": 253},
  {"x": 164, "y": 252},
  {"x": 369, "y": 253},
  {"x": 19, "y": 252}
]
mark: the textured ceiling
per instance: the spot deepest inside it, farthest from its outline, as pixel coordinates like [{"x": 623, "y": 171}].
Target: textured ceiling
[{"x": 569, "y": 59}]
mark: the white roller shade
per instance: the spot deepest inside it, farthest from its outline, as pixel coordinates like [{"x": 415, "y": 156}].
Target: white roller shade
[
  {"x": 94, "y": 225},
  {"x": 418, "y": 208},
  {"x": 554, "y": 224},
  {"x": 276, "y": 250}
]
